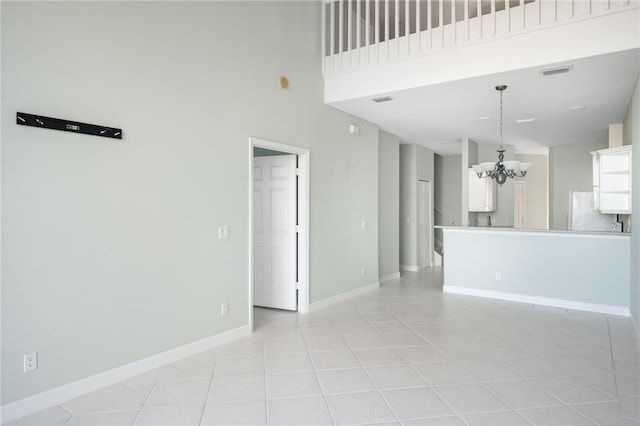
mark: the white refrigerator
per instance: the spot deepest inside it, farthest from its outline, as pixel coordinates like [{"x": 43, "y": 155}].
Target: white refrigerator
[{"x": 583, "y": 217}]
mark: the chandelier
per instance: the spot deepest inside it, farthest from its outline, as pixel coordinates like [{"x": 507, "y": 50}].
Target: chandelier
[{"x": 501, "y": 170}]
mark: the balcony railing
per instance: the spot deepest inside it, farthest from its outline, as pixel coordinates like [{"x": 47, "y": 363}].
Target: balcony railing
[{"x": 363, "y": 33}]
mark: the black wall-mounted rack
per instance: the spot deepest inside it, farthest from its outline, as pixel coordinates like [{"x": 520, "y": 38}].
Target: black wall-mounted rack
[{"x": 67, "y": 125}]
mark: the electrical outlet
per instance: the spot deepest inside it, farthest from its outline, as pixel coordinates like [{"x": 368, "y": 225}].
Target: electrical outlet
[
  {"x": 498, "y": 276},
  {"x": 364, "y": 271},
  {"x": 30, "y": 361},
  {"x": 224, "y": 309}
]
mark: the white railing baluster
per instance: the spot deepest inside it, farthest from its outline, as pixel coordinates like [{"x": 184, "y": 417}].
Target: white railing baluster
[
  {"x": 386, "y": 25},
  {"x": 358, "y": 29},
  {"x": 349, "y": 28},
  {"x": 441, "y": 24},
  {"x": 407, "y": 25},
  {"x": 377, "y": 25},
  {"x": 396, "y": 25},
  {"x": 368, "y": 25}
]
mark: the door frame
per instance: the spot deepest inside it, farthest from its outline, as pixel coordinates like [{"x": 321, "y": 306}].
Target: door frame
[
  {"x": 430, "y": 221},
  {"x": 303, "y": 219}
]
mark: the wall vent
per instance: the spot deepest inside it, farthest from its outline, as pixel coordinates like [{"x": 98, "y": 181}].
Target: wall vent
[
  {"x": 382, "y": 99},
  {"x": 557, "y": 70}
]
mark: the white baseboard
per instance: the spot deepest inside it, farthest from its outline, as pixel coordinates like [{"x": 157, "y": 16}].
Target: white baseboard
[
  {"x": 409, "y": 268},
  {"x": 390, "y": 277},
  {"x": 544, "y": 301},
  {"x": 53, "y": 397},
  {"x": 343, "y": 296}
]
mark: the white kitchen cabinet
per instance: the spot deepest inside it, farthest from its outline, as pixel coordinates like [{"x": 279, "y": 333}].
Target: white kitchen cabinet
[
  {"x": 482, "y": 193},
  {"x": 612, "y": 180}
]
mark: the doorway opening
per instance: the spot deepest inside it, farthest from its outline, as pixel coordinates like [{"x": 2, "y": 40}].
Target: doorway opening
[{"x": 278, "y": 226}]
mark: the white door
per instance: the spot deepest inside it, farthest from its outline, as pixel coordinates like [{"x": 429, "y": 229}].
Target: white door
[
  {"x": 274, "y": 232},
  {"x": 425, "y": 225},
  {"x": 519, "y": 197}
]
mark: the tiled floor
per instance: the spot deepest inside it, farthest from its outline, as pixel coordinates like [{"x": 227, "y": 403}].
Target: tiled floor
[{"x": 405, "y": 354}]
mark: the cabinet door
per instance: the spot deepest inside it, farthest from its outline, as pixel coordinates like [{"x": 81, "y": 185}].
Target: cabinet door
[
  {"x": 482, "y": 193},
  {"x": 614, "y": 180}
]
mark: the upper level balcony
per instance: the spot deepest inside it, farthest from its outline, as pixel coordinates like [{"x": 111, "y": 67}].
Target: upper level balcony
[{"x": 375, "y": 47}]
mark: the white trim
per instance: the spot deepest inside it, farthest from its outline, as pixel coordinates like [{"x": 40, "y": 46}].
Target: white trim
[
  {"x": 343, "y": 296},
  {"x": 390, "y": 277},
  {"x": 409, "y": 268},
  {"x": 53, "y": 397},
  {"x": 535, "y": 300},
  {"x": 534, "y": 232},
  {"x": 304, "y": 164}
]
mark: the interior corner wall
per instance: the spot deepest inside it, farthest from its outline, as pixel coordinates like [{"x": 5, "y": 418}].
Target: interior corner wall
[
  {"x": 537, "y": 191},
  {"x": 631, "y": 135},
  {"x": 388, "y": 205},
  {"x": 469, "y": 157},
  {"x": 105, "y": 241},
  {"x": 570, "y": 169},
  {"x": 408, "y": 206}
]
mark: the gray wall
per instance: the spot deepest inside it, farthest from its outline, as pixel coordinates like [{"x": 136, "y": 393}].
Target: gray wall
[
  {"x": 106, "y": 241},
  {"x": 631, "y": 134},
  {"x": 408, "y": 205},
  {"x": 537, "y": 191},
  {"x": 570, "y": 169},
  {"x": 448, "y": 188},
  {"x": 388, "y": 205}
]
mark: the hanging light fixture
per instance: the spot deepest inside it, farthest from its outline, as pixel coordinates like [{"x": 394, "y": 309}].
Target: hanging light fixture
[{"x": 501, "y": 170}]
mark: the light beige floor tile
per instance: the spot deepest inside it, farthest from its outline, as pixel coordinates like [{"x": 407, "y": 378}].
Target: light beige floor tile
[
  {"x": 404, "y": 339},
  {"x": 468, "y": 399},
  {"x": 393, "y": 327},
  {"x": 394, "y": 377},
  {"x": 571, "y": 391},
  {"x": 359, "y": 408},
  {"x": 489, "y": 370},
  {"x": 422, "y": 354},
  {"x": 299, "y": 412},
  {"x": 117, "y": 397},
  {"x": 326, "y": 343},
  {"x": 55, "y": 416},
  {"x": 170, "y": 416},
  {"x": 340, "y": 381},
  {"x": 498, "y": 418},
  {"x": 181, "y": 392},
  {"x": 444, "y": 373},
  {"x": 285, "y": 346},
  {"x": 365, "y": 341},
  {"x": 555, "y": 416},
  {"x": 321, "y": 329},
  {"x": 522, "y": 394},
  {"x": 146, "y": 381},
  {"x": 602, "y": 413},
  {"x": 241, "y": 347},
  {"x": 435, "y": 421},
  {"x": 104, "y": 419},
  {"x": 196, "y": 366},
  {"x": 292, "y": 385},
  {"x": 334, "y": 360},
  {"x": 355, "y": 328},
  {"x": 378, "y": 357},
  {"x": 235, "y": 413},
  {"x": 416, "y": 403},
  {"x": 237, "y": 365},
  {"x": 288, "y": 363},
  {"x": 237, "y": 388}
]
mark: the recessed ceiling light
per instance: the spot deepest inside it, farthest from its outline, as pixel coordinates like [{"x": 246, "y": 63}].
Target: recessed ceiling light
[
  {"x": 526, "y": 120},
  {"x": 556, "y": 70},
  {"x": 577, "y": 108},
  {"x": 382, "y": 99},
  {"x": 484, "y": 118}
]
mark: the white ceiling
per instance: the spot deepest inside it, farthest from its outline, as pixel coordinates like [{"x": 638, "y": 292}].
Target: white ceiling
[{"x": 439, "y": 116}]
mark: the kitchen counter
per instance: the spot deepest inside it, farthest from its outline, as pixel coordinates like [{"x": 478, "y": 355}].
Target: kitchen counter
[
  {"x": 569, "y": 269},
  {"x": 522, "y": 230}
]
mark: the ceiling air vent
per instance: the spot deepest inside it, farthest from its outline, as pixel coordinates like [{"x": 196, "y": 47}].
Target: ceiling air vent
[
  {"x": 382, "y": 99},
  {"x": 557, "y": 70}
]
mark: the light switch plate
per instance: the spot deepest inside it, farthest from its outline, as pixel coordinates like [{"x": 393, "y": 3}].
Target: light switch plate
[{"x": 223, "y": 232}]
